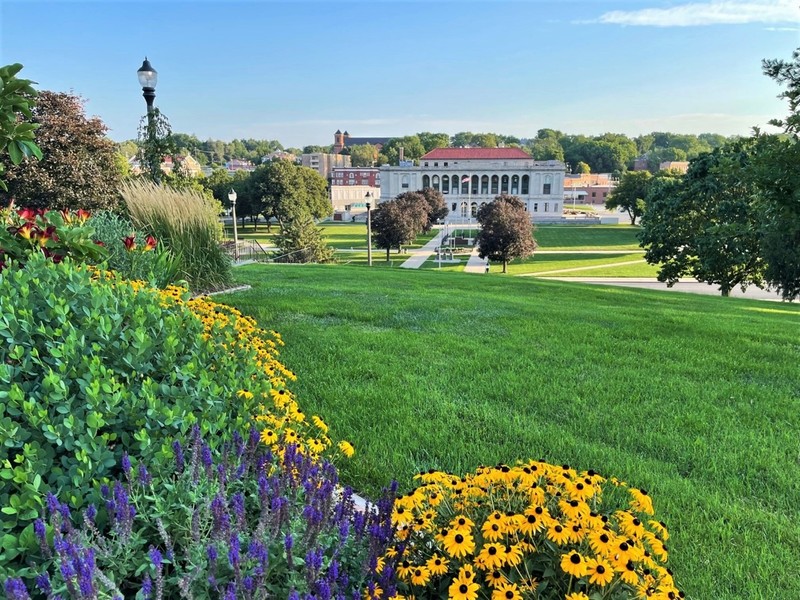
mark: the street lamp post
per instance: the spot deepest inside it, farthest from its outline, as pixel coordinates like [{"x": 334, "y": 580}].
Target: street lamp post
[
  {"x": 232, "y": 198},
  {"x": 148, "y": 77},
  {"x": 369, "y": 230}
]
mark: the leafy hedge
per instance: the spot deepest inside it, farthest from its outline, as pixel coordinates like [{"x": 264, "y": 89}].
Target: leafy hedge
[{"x": 91, "y": 366}]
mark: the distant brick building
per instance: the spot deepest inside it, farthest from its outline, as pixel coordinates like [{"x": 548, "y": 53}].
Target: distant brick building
[
  {"x": 324, "y": 163},
  {"x": 587, "y": 188},
  {"x": 350, "y": 186},
  {"x": 344, "y": 140}
]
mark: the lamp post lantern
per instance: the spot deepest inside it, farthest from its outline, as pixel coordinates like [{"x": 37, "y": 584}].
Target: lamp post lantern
[
  {"x": 232, "y": 198},
  {"x": 148, "y": 77},
  {"x": 369, "y": 230}
]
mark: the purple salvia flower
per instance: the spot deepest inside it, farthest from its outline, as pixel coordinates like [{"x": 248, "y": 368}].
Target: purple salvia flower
[
  {"x": 16, "y": 590},
  {"x": 249, "y": 584},
  {"x": 147, "y": 587},
  {"x": 155, "y": 557},
  {"x": 64, "y": 510},
  {"x": 52, "y": 503},
  {"x": 237, "y": 506},
  {"x": 126, "y": 463},
  {"x": 40, "y": 530},
  {"x": 230, "y": 592},
  {"x": 233, "y": 551},
  {"x": 104, "y": 491},
  {"x": 43, "y": 583},
  {"x": 323, "y": 590},
  {"x": 91, "y": 512},
  {"x": 288, "y": 542},
  {"x": 211, "y": 552},
  {"x": 144, "y": 476},
  {"x": 293, "y": 595},
  {"x": 180, "y": 462},
  {"x": 67, "y": 572},
  {"x": 238, "y": 443},
  {"x": 220, "y": 515},
  {"x": 205, "y": 456}
]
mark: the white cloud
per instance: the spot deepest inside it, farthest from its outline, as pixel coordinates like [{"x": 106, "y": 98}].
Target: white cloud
[{"x": 715, "y": 12}]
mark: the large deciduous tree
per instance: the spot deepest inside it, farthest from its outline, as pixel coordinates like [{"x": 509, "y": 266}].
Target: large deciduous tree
[
  {"x": 399, "y": 221},
  {"x": 630, "y": 193},
  {"x": 78, "y": 168},
  {"x": 437, "y": 207},
  {"x": 506, "y": 230},
  {"x": 286, "y": 191},
  {"x": 706, "y": 225},
  {"x": 363, "y": 155}
]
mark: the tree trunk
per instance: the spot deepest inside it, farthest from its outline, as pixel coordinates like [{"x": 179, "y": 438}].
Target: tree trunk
[
  {"x": 387, "y": 254},
  {"x": 505, "y": 262},
  {"x": 724, "y": 292}
]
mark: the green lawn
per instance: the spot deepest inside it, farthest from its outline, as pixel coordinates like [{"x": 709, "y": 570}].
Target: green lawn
[
  {"x": 694, "y": 398},
  {"x": 559, "y": 265},
  {"x": 587, "y": 237}
]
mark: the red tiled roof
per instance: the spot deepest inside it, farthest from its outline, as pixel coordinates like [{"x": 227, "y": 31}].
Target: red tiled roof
[{"x": 475, "y": 153}]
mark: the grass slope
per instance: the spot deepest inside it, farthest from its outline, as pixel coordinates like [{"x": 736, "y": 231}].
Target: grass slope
[{"x": 693, "y": 398}]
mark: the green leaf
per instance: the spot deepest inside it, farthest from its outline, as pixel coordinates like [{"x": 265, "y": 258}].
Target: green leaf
[{"x": 15, "y": 153}]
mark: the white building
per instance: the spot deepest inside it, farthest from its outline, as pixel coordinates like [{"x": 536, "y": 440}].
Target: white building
[
  {"x": 471, "y": 177},
  {"x": 350, "y": 186}
]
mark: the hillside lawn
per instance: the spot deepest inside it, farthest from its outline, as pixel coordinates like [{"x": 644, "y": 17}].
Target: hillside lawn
[{"x": 693, "y": 398}]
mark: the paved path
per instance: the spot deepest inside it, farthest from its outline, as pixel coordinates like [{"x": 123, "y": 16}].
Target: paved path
[
  {"x": 476, "y": 264},
  {"x": 420, "y": 255},
  {"x": 690, "y": 286}
]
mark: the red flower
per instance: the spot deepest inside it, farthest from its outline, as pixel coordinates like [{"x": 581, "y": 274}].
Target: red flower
[
  {"x": 130, "y": 243},
  {"x": 82, "y": 215},
  {"x": 48, "y": 234},
  {"x": 100, "y": 243},
  {"x": 150, "y": 243},
  {"x": 29, "y": 214},
  {"x": 28, "y": 230},
  {"x": 66, "y": 215}
]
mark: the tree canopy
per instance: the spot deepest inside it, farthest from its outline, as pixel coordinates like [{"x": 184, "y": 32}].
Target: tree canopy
[
  {"x": 629, "y": 194},
  {"x": 506, "y": 230},
  {"x": 285, "y": 191},
  {"x": 78, "y": 168}
]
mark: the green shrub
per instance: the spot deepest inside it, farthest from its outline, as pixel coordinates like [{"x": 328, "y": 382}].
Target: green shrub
[
  {"x": 188, "y": 223},
  {"x": 136, "y": 259},
  {"x": 92, "y": 367}
]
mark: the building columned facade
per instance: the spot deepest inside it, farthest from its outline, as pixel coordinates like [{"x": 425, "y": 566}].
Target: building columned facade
[{"x": 468, "y": 178}]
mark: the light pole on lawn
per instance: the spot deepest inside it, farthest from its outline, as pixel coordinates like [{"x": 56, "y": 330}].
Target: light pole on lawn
[
  {"x": 232, "y": 198},
  {"x": 148, "y": 77},
  {"x": 369, "y": 229}
]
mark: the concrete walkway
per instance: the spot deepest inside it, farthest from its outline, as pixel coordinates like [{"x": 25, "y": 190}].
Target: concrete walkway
[
  {"x": 420, "y": 255},
  {"x": 476, "y": 264}
]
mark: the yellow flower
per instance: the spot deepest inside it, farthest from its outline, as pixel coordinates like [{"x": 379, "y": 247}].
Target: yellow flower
[
  {"x": 420, "y": 576},
  {"x": 506, "y": 591},
  {"x": 576, "y": 596},
  {"x": 347, "y": 449},
  {"x": 558, "y": 534},
  {"x": 269, "y": 437},
  {"x": 319, "y": 423},
  {"x": 574, "y": 564},
  {"x": 492, "y": 556},
  {"x": 459, "y": 544},
  {"x": 463, "y": 590},
  {"x": 600, "y": 572},
  {"x": 437, "y": 565},
  {"x": 462, "y": 523}
]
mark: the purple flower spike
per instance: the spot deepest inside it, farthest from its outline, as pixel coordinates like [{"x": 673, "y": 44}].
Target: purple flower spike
[
  {"x": 52, "y": 503},
  {"x": 40, "y": 529},
  {"x": 126, "y": 463},
  {"x": 144, "y": 476},
  {"x": 211, "y": 551},
  {"x": 16, "y": 590},
  {"x": 91, "y": 512},
  {"x": 155, "y": 557},
  {"x": 147, "y": 587},
  {"x": 43, "y": 583},
  {"x": 180, "y": 461},
  {"x": 205, "y": 456},
  {"x": 288, "y": 542}
]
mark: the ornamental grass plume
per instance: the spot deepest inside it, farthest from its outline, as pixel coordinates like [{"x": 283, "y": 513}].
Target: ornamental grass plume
[
  {"x": 534, "y": 530},
  {"x": 249, "y": 525}
]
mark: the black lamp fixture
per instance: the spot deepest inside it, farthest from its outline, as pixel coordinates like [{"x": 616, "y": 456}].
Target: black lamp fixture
[{"x": 148, "y": 78}]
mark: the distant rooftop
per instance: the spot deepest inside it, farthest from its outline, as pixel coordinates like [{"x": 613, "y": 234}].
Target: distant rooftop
[{"x": 475, "y": 153}]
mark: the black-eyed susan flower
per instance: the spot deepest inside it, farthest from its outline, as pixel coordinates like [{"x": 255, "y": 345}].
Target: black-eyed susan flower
[
  {"x": 574, "y": 564},
  {"x": 602, "y": 542},
  {"x": 495, "y": 578},
  {"x": 506, "y": 591},
  {"x": 513, "y": 555},
  {"x": 463, "y": 590},
  {"x": 641, "y": 501},
  {"x": 269, "y": 437},
  {"x": 420, "y": 576},
  {"x": 492, "y": 556},
  {"x": 558, "y": 534},
  {"x": 246, "y": 394},
  {"x": 458, "y": 544},
  {"x": 462, "y": 523},
  {"x": 627, "y": 573},
  {"x": 492, "y": 530},
  {"x": 599, "y": 571},
  {"x": 437, "y": 565},
  {"x": 576, "y": 596},
  {"x": 347, "y": 449}
]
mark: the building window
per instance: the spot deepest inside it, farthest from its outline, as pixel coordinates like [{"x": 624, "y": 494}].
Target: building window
[
  {"x": 495, "y": 183},
  {"x": 365, "y": 182},
  {"x": 454, "y": 185},
  {"x": 465, "y": 186},
  {"x": 546, "y": 207},
  {"x": 453, "y": 207},
  {"x": 436, "y": 164},
  {"x": 515, "y": 184},
  {"x": 485, "y": 184},
  {"x": 605, "y": 194},
  {"x": 404, "y": 181},
  {"x": 535, "y": 207},
  {"x": 504, "y": 185},
  {"x": 474, "y": 184},
  {"x": 426, "y": 181},
  {"x": 463, "y": 209},
  {"x": 546, "y": 189},
  {"x": 426, "y": 164},
  {"x": 594, "y": 194},
  {"x": 445, "y": 164},
  {"x": 445, "y": 184},
  {"x": 555, "y": 207},
  {"x": 436, "y": 182},
  {"x": 474, "y": 210},
  {"x": 525, "y": 180}
]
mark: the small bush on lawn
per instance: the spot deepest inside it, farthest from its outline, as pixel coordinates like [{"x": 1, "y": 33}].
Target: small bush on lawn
[
  {"x": 188, "y": 223},
  {"x": 54, "y": 234},
  {"x": 240, "y": 523},
  {"x": 91, "y": 365},
  {"x": 131, "y": 253},
  {"x": 530, "y": 531}
]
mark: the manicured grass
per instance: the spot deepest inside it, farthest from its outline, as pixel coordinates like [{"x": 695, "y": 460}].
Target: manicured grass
[
  {"x": 694, "y": 398},
  {"x": 587, "y": 237},
  {"x": 560, "y": 263}
]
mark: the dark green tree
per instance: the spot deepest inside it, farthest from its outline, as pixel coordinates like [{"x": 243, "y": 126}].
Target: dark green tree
[
  {"x": 363, "y": 155},
  {"x": 286, "y": 191},
  {"x": 399, "y": 221},
  {"x": 437, "y": 207},
  {"x": 630, "y": 193},
  {"x": 705, "y": 225},
  {"x": 301, "y": 241},
  {"x": 411, "y": 145},
  {"x": 433, "y": 140},
  {"x": 506, "y": 230}
]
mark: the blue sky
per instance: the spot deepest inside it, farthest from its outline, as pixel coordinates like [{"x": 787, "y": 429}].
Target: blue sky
[{"x": 298, "y": 71}]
